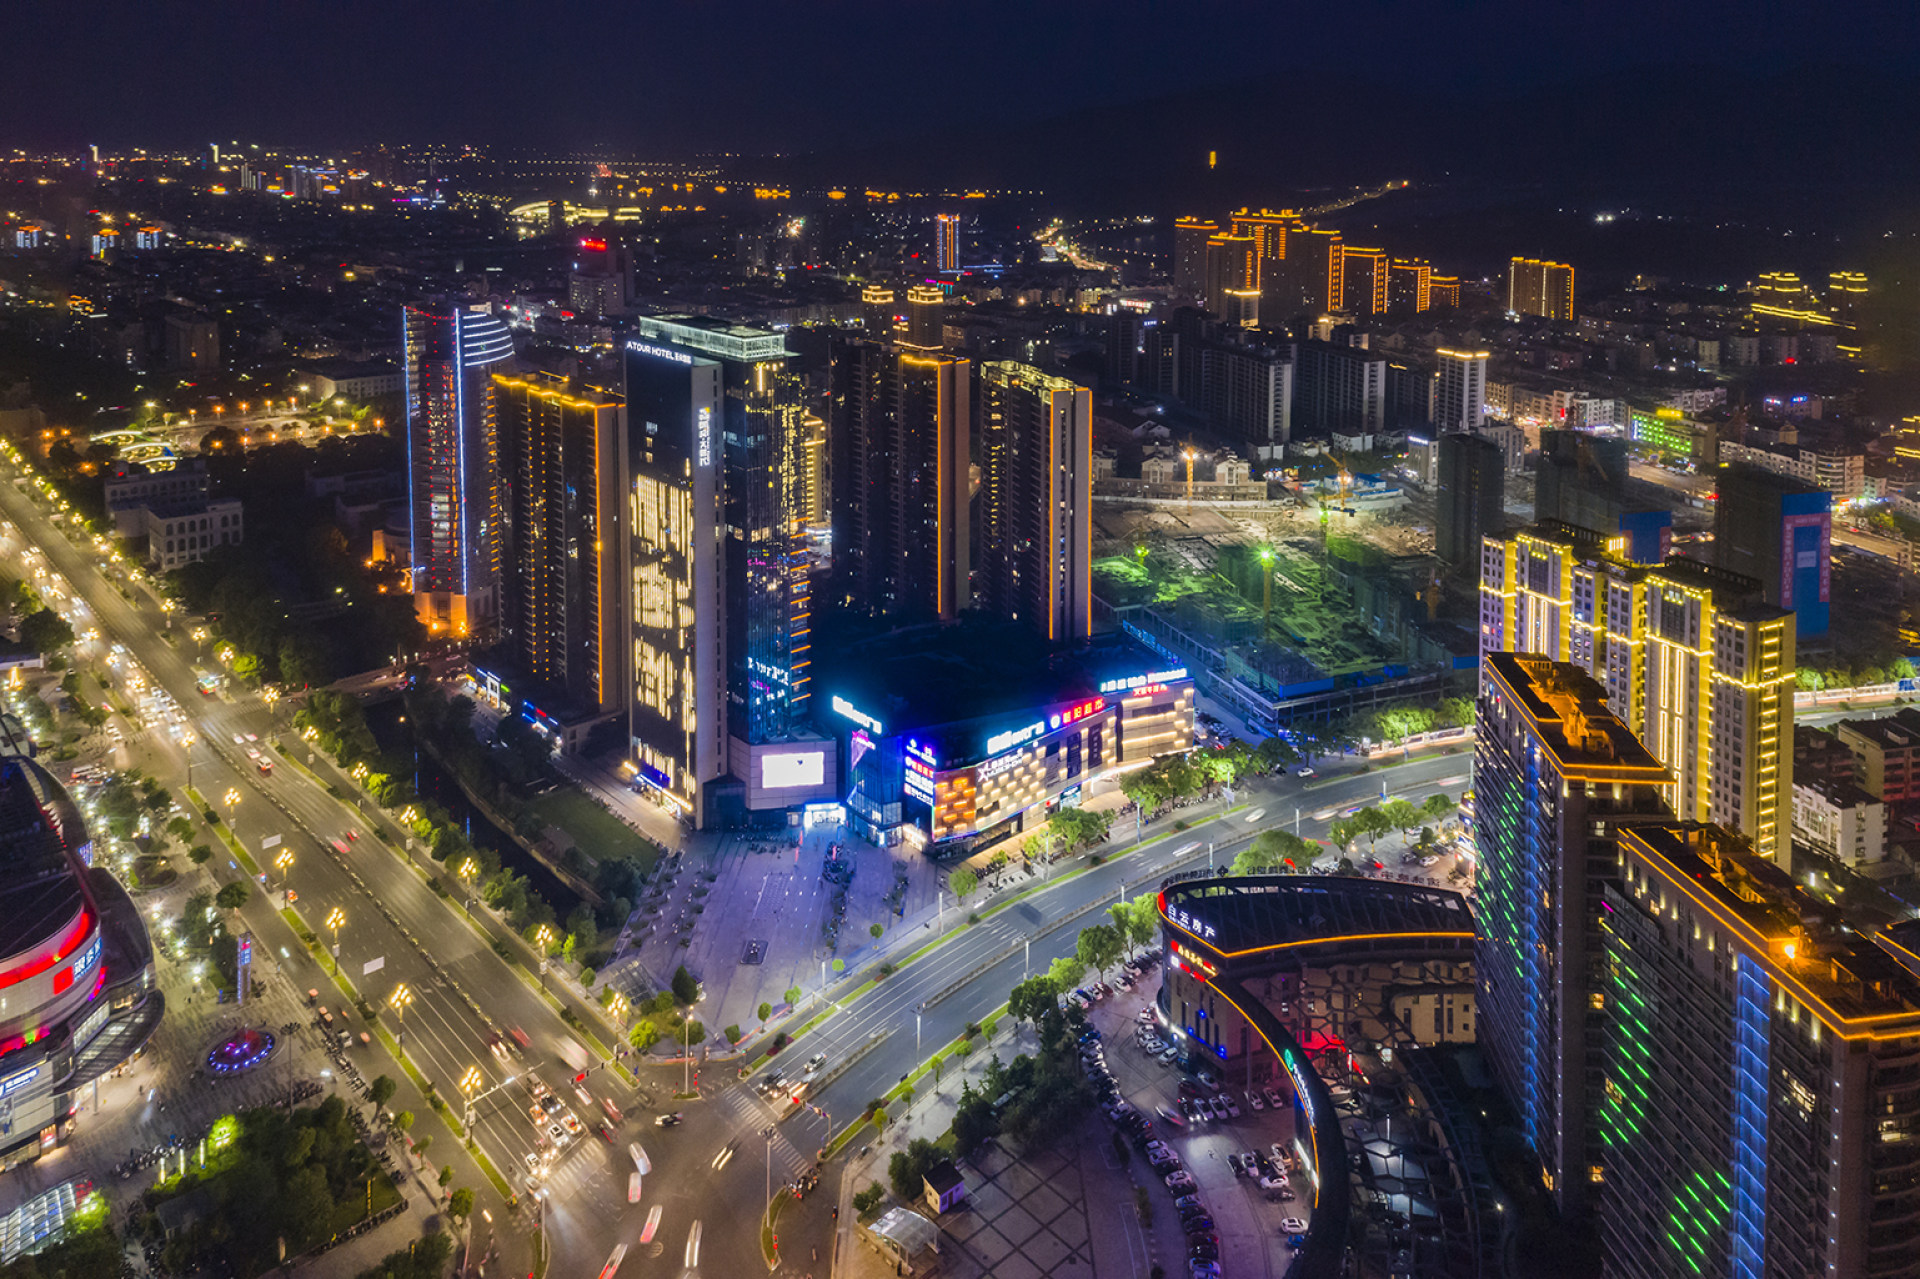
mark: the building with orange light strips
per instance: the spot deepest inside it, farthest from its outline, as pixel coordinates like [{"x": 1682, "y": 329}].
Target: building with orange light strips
[
  {"x": 1036, "y": 500},
  {"x": 1757, "y": 1076},
  {"x": 1540, "y": 288},
  {"x": 77, "y": 991},
  {"x": 1364, "y": 279},
  {"x": 560, "y": 448},
  {"x": 901, "y": 443},
  {"x": 1693, "y": 660},
  {"x": 1557, "y": 775},
  {"x": 946, "y": 241},
  {"x": 961, "y": 736}
]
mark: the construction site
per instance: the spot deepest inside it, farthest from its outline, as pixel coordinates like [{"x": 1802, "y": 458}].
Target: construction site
[{"x": 1322, "y": 600}]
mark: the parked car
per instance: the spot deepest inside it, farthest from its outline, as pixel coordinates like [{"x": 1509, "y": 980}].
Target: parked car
[
  {"x": 1273, "y": 1183},
  {"x": 1181, "y": 1182},
  {"x": 1275, "y": 1098},
  {"x": 1233, "y": 1107},
  {"x": 1293, "y": 1225},
  {"x": 1255, "y": 1100},
  {"x": 1185, "y": 1202}
]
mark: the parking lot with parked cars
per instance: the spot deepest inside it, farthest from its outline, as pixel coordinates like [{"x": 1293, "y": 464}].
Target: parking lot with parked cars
[{"x": 1224, "y": 1153}]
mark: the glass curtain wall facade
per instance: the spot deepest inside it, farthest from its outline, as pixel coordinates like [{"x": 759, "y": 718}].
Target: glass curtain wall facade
[
  {"x": 762, "y": 442},
  {"x": 671, "y": 486},
  {"x": 453, "y": 479}
]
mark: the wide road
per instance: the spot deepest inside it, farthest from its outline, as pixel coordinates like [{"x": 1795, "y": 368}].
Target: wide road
[
  {"x": 461, "y": 990},
  {"x": 928, "y": 1004}
]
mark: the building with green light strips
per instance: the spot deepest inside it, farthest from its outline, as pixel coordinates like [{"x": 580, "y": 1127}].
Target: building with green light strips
[
  {"x": 1556, "y": 775},
  {"x": 1760, "y": 1097}
]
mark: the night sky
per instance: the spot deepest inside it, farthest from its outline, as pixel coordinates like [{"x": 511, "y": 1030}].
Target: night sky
[{"x": 822, "y": 75}]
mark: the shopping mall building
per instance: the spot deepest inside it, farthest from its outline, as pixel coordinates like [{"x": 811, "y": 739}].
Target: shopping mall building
[
  {"x": 77, "y": 993},
  {"x": 957, "y": 738},
  {"x": 1292, "y": 979}
]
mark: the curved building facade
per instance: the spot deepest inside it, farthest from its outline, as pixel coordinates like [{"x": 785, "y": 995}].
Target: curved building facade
[
  {"x": 1266, "y": 974},
  {"x": 77, "y": 993}
]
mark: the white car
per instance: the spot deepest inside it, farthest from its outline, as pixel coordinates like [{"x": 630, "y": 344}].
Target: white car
[
  {"x": 1255, "y": 1100},
  {"x": 1293, "y": 1225},
  {"x": 1255, "y": 815}
]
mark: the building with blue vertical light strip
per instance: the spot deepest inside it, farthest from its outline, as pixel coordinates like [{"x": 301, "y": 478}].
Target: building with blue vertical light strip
[
  {"x": 1760, "y": 1071},
  {"x": 1556, "y": 775},
  {"x": 1779, "y": 530},
  {"x": 453, "y": 474}
]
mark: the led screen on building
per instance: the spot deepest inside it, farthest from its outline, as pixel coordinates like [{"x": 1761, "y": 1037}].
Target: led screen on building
[{"x": 792, "y": 769}]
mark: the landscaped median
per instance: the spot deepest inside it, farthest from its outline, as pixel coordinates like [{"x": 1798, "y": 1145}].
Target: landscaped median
[{"x": 346, "y": 987}]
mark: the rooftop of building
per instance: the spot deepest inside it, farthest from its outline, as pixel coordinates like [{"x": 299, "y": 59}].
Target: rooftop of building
[
  {"x": 1806, "y": 939},
  {"x": 980, "y": 668},
  {"x": 176, "y": 508},
  {"x": 713, "y": 336},
  {"x": 40, "y": 883},
  {"x": 1742, "y": 474},
  {"x": 558, "y": 384},
  {"x": 1568, "y": 709},
  {"x": 1897, "y": 731},
  {"x": 1247, "y": 913},
  {"x": 1838, "y": 791}
]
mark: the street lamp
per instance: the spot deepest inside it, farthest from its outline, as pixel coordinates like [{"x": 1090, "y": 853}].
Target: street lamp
[
  {"x": 335, "y": 918},
  {"x": 469, "y": 1085},
  {"x": 232, "y": 797},
  {"x": 271, "y": 696},
  {"x": 468, "y": 869},
  {"x": 398, "y": 1001},
  {"x": 1189, "y": 455},
  {"x": 543, "y": 939},
  {"x": 281, "y": 864},
  {"x": 186, "y": 742}
]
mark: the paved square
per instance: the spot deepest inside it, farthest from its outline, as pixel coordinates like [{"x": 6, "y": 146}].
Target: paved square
[{"x": 1026, "y": 1215}]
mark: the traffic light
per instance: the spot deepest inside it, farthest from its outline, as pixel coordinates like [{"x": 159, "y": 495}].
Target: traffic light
[{"x": 580, "y": 1078}]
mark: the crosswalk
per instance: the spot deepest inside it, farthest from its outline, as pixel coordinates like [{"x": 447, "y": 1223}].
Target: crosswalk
[{"x": 749, "y": 1116}]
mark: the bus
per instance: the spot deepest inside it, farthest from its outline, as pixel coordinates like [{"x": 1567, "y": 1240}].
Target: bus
[{"x": 207, "y": 682}]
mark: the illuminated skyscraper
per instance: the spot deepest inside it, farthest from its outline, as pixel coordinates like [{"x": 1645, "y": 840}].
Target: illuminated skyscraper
[
  {"x": 453, "y": 481},
  {"x": 901, "y": 457},
  {"x": 1411, "y": 284},
  {"x": 560, "y": 453},
  {"x": 946, "y": 244},
  {"x": 1364, "y": 279},
  {"x": 1693, "y": 660},
  {"x": 761, "y": 440},
  {"x": 1268, "y": 230},
  {"x": 1190, "y": 236},
  {"x": 1036, "y": 500},
  {"x": 677, "y": 602},
  {"x": 1556, "y": 777},
  {"x": 876, "y": 309},
  {"x": 926, "y": 318},
  {"x": 1540, "y": 288},
  {"x": 1755, "y": 1081},
  {"x": 1233, "y": 266},
  {"x": 1443, "y": 291},
  {"x": 1460, "y": 391}
]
